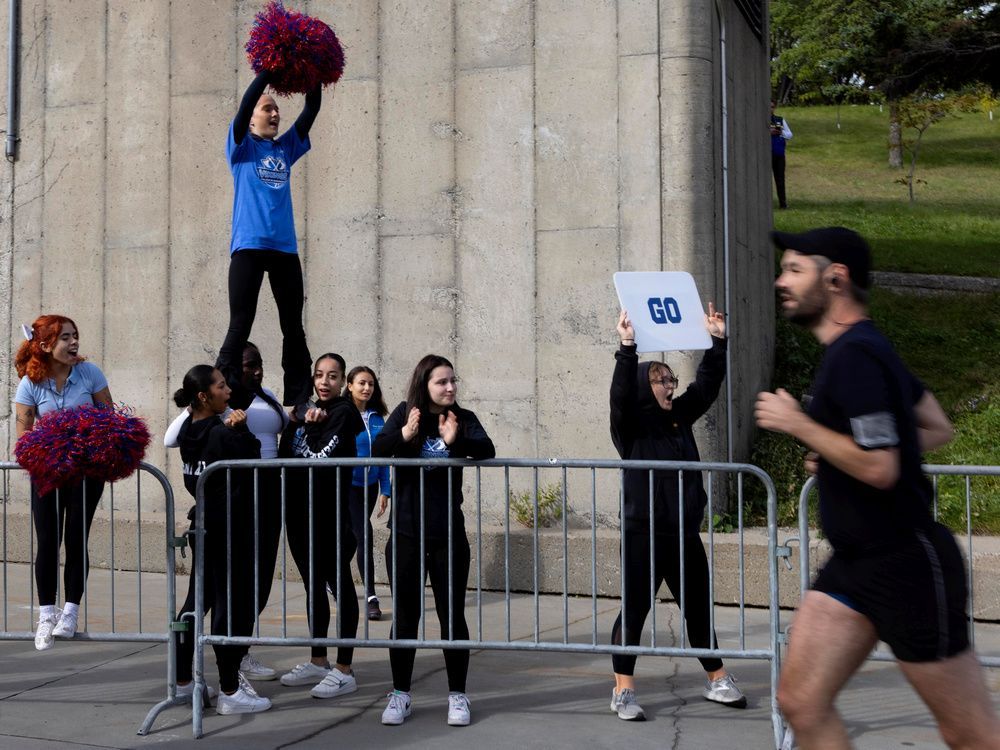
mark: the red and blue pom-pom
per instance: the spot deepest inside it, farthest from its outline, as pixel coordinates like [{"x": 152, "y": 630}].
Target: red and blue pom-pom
[
  {"x": 90, "y": 442},
  {"x": 300, "y": 52}
]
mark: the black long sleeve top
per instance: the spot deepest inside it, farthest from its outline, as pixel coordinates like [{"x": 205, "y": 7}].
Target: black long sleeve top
[
  {"x": 641, "y": 430},
  {"x": 471, "y": 442}
]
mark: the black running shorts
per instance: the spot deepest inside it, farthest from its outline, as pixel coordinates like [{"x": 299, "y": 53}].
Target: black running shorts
[{"x": 915, "y": 594}]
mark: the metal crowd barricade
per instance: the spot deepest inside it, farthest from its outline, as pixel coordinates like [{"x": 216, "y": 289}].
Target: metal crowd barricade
[
  {"x": 935, "y": 472},
  {"x": 100, "y": 619},
  {"x": 515, "y": 600}
]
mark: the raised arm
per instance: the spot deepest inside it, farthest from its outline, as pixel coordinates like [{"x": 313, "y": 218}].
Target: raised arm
[
  {"x": 700, "y": 395},
  {"x": 623, "y": 395},
  {"x": 308, "y": 116},
  {"x": 241, "y": 123}
]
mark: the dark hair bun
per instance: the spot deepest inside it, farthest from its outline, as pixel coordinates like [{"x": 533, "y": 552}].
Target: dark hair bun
[{"x": 181, "y": 399}]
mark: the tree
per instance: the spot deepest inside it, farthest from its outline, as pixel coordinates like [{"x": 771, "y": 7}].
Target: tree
[
  {"x": 895, "y": 48},
  {"x": 919, "y": 112}
]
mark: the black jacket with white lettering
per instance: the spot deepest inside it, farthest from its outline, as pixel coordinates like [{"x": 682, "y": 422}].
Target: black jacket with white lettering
[
  {"x": 206, "y": 441},
  {"x": 334, "y": 437}
]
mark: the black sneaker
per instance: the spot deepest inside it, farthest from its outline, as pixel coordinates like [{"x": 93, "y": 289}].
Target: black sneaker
[{"x": 374, "y": 612}]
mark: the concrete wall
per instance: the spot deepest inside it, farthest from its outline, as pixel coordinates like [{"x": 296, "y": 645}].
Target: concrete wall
[{"x": 481, "y": 171}]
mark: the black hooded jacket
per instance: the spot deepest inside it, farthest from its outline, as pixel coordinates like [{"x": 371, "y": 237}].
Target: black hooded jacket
[
  {"x": 642, "y": 431},
  {"x": 334, "y": 437},
  {"x": 471, "y": 442},
  {"x": 206, "y": 441}
]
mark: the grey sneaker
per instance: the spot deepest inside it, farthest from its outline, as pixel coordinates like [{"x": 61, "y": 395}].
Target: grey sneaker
[
  {"x": 724, "y": 691},
  {"x": 626, "y": 706}
]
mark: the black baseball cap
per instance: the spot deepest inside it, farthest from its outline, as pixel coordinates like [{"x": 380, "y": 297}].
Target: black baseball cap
[{"x": 839, "y": 244}]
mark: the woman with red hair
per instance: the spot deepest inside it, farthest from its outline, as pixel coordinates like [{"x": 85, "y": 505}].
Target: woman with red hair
[{"x": 54, "y": 376}]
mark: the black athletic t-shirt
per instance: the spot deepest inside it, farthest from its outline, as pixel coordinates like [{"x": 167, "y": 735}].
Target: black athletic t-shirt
[{"x": 864, "y": 390}]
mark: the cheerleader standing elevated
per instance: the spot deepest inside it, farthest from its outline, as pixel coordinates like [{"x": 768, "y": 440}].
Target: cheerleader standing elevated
[{"x": 263, "y": 232}]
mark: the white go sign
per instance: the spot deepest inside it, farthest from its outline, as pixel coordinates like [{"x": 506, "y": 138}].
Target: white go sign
[{"x": 665, "y": 310}]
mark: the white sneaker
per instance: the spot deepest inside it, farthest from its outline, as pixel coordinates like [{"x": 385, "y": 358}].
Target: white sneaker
[
  {"x": 43, "y": 635},
  {"x": 243, "y": 701},
  {"x": 397, "y": 709},
  {"x": 304, "y": 674},
  {"x": 458, "y": 710},
  {"x": 188, "y": 691},
  {"x": 66, "y": 627},
  {"x": 334, "y": 684},
  {"x": 254, "y": 670}
]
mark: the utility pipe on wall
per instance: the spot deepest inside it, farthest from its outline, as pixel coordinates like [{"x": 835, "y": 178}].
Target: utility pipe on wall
[
  {"x": 13, "y": 70},
  {"x": 725, "y": 228}
]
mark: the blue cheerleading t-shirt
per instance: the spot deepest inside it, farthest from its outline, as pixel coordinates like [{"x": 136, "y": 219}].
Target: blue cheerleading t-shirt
[{"x": 262, "y": 197}]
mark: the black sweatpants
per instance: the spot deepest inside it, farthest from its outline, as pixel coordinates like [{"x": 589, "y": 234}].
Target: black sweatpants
[
  {"x": 637, "y": 601},
  {"x": 219, "y": 592},
  {"x": 360, "y": 518},
  {"x": 323, "y": 553},
  {"x": 246, "y": 275},
  {"x": 407, "y": 593},
  {"x": 68, "y": 511}
]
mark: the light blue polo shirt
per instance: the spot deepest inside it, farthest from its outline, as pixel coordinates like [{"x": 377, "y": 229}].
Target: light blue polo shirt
[{"x": 85, "y": 379}]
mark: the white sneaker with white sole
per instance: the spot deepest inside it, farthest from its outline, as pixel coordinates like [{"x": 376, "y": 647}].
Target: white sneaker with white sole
[
  {"x": 254, "y": 670},
  {"x": 43, "y": 634},
  {"x": 66, "y": 627},
  {"x": 334, "y": 684},
  {"x": 244, "y": 701},
  {"x": 304, "y": 674},
  {"x": 458, "y": 710},
  {"x": 397, "y": 709}
]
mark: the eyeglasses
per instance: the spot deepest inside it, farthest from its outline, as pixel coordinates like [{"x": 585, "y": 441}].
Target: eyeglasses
[{"x": 670, "y": 382}]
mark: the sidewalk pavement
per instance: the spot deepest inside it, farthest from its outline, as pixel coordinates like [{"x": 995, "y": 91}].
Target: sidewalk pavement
[{"x": 87, "y": 694}]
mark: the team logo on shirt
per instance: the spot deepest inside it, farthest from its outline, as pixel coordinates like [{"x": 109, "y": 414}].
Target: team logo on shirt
[
  {"x": 434, "y": 447},
  {"x": 273, "y": 171}
]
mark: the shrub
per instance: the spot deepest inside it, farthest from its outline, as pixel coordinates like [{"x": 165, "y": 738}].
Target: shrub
[{"x": 549, "y": 503}]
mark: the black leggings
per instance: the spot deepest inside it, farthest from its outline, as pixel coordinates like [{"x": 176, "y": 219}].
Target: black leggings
[
  {"x": 407, "y": 592},
  {"x": 246, "y": 274},
  {"x": 268, "y": 528},
  {"x": 324, "y": 563},
  {"x": 218, "y": 592},
  {"x": 637, "y": 600},
  {"x": 69, "y": 510},
  {"x": 360, "y": 519}
]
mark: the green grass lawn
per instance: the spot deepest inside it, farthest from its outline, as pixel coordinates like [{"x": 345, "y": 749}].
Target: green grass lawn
[
  {"x": 952, "y": 342},
  {"x": 842, "y": 177}
]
